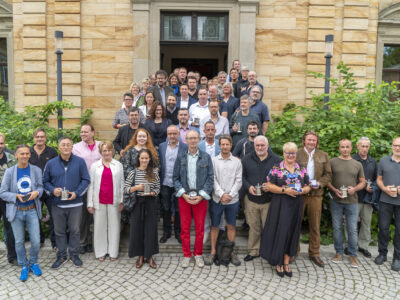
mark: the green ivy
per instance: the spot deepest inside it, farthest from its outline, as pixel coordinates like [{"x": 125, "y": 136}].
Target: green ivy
[{"x": 352, "y": 113}]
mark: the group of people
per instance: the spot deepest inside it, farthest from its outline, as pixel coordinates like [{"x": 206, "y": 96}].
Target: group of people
[{"x": 202, "y": 154}]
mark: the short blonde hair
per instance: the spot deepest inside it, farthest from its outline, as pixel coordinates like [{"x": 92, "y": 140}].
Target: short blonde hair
[
  {"x": 134, "y": 84},
  {"x": 289, "y": 146},
  {"x": 106, "y": 144}
]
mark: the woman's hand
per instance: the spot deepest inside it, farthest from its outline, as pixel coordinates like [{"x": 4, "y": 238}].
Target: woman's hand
[
  {"x": 90, "y": 210},
  {"x": 121, "y": 207},
  {"x": 291, "y": 192}
]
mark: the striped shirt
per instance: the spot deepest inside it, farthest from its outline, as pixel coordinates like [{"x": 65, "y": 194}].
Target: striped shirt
[{"x": 137, "y": 176}]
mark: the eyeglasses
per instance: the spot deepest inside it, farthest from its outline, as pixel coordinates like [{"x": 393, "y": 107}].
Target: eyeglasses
[
  {"x": 128, "y": 99},
  {"x": 396, "y": 146},
  {"x": 290, "y": 153}
]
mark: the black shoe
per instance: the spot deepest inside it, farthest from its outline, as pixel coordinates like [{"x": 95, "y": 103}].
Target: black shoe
[
  {"x": 82, "y": 250},
  {"x": 346, "y": 251},
  {"x": 280, "y": 274},
  {"x": 396, "y": 265},
  {"x": 287, "y": 273},
  {"x": 13, "y": 261},
  {"x": 245, "y": 226},
  {"x": 89, "y": 249},
  {"x": 365, "y": 252},
  {"x": 59, "y": 262},
  {"x": 249, "y": 257},
  {"x": 76, "y": 260},
  {"x": 164, "y": 238},
  {"x": 178, "y": 237},
  {"x": 380, "y": 259}
]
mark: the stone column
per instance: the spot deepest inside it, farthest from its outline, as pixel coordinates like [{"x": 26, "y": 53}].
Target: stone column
[{"x": 248, "y": 10}]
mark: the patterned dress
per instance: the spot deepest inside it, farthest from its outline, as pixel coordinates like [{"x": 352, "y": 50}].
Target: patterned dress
[{"x": 282, "y": 229}]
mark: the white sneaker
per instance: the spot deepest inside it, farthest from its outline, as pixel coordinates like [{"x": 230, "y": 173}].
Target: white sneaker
[
  {"x": 199, "y": 261},
  {"x": 185, "y": 262}
]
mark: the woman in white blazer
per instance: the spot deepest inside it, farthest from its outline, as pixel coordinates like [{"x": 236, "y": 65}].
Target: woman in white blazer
[{"x": 104, "y": 201}]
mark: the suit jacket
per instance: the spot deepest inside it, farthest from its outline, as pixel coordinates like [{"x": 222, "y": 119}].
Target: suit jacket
[
  {"x": 202, "y": 146},
  {"x": 123, "y": 137},
  {"x": 162, "y": 149},
  {"x": 191, "y": 102},
  {"x": 157, "y": 95},
  {"x": 322, "y": 168}
]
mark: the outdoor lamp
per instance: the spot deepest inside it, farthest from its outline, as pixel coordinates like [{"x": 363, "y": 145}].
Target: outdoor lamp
[{"x": 58, "y": 42}]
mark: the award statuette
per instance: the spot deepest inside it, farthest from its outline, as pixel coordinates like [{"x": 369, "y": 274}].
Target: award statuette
[
  {"x": 239, "y": 127},
  {"x": 64, "y": 195},
  {"x": 297, "y": 187},
  {"x": 193, "y": 193},
  {"x": 344, "y": 189},
  {"x": 394, "y": 191},
  {"x": 258, "y": 189},
  {"x": 146, "y": 190}
]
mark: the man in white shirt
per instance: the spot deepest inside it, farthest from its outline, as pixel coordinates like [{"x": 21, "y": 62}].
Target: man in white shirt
[
  {"x": 225, "y": 197},
  {"x": 221, "y": 123},
  {"x": 199, "y": 110}
]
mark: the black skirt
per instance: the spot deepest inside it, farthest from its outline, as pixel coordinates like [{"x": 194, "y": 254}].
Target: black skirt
[
  {"x": 143, "y": 240},
  {"x": 282, "y": 229}
]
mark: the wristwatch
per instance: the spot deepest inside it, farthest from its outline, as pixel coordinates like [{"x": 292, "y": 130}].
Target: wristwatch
[{"x": 283, "y": 190}]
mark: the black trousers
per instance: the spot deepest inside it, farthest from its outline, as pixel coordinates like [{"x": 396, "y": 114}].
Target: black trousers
[
  {"x": 143, "y": 240},
  {"x": 47, "y": 200},
  {"x": 167, "y": 195},
  {"x": 386, "y": 212},
  {"x": 11, "y": 254}
]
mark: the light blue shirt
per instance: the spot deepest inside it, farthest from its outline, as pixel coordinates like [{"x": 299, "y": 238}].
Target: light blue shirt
[
  {"x": 170, "y": 157},
  {"x": 192, "y": 165}
]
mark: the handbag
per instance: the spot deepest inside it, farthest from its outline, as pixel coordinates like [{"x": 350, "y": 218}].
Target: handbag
[{"x": 130, "y": 199}]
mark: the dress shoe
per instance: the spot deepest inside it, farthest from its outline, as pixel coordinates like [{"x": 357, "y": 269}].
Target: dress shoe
[
  {"x": 317, "y": 260},
  {"x": 178, "y": 237},
  {"x": 365, "y": 252},
  {"x": 280, "y": 274},
  {"x": 152, "y": 263},
  {"x": 249, "y": 257},
  {"x": 89, "y": 248},
  {"x": 245, "y": 226},
  {"x": 396, "y": 265},
  {"x": 287, "y": 271},
  {"x": 380, "y": 259},
  {"x": 82, "y": 250},
  {"x": 139, "y": 262},
  {"x": 164, "y": 238}
]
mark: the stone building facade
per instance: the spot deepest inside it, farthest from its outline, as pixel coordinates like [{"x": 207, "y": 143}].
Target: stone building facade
[{"x": 110, "y": 43}]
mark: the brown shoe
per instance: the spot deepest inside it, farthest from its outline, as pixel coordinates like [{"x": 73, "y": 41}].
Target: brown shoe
[
  {"x": 139, "y": 262},
  {"x": 353, "y": 262},
  {"x": 337, "y": 258},
  {"x": 151, "y": 263},
  {"x": 318, "y": 261}
]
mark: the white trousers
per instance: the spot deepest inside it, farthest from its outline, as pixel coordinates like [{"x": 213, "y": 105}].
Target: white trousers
[{"x": 106, "y": 230}]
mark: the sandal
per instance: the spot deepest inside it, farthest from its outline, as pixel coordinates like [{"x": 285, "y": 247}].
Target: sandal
[
  {"x": 101, "y": 258},
  {"x": 287, "y": 271},
  {"x": 113, "y": 258}
]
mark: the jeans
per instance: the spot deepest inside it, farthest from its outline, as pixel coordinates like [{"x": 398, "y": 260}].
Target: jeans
[
  {"x": 67, "y": 218},
  {"x": 350, "y": 211},
  {"x": 9, "y": 236},
  {"x": 30, "y": 218},
  {"x": 386, "y": 212},
  {"x": 168, "y": 198}
]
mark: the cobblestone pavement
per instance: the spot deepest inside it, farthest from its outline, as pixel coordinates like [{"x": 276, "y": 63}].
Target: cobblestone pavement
[{"x": 252, "y": 280}]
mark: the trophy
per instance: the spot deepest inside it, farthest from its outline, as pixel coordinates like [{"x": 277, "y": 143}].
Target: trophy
[
  {"x": 314, "y": 183},
  {"x": 297, "y": 187},
  {"x": 146, "y": 190},
  {"x": 239, "y": 127},
  {"x": 64, "y": 194},
  {"x": 258, "y": 189},
  {"x": 196, "y": 121},
  {"x": 344, "y": 189},
  {"x": 369, "y": 183},
  {"x": 394, "y": 191}
]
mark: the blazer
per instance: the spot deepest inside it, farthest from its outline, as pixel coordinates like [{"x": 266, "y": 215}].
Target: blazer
[
  {"x": 191, "y": 102},
  {"x": 202, "y": 146},
  {"x": 322, "y": 168},
  {"x": 157, "y": 94},
  {"x": 9, "y": 190},
  {"x": 182, "y": 148},
  {"x": 96, "y": 171},
  {"x": 123, "y": 137},
  {"x": 158, "y": 136}
]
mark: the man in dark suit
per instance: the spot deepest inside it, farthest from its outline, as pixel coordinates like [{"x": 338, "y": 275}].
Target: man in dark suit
[
  {"x": 126, "y": 132},
  {"x": 184, "y": 100},
  {"x": 168, "y": 152},
  {"x": 160, "y": 90}
]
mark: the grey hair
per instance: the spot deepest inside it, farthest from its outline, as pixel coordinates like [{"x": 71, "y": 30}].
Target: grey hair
[
  {"x": 221, "y": 73},
  {"x": 363, "y": 138},
  {"x": 261, "y": 137}
]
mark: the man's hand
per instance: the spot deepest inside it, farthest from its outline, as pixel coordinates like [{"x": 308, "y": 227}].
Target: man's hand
[
  {"x": 351, "y": 190},
  {"x": 57, "y": 192},
  {"x": 34, "y": 195},
  {"x": 235, "y": 128},
  {"x": 388, "y": 190},
  {"x": 369, "y": 189},
  {"x": 226, "y": 198},
  {"x": 252, "y": 190},
  {"x": 73, "y": 196},
  {"x": 196, "y": 199},
  {"x": 338, "y": 193},
  {"x": 19, "y": 197}
]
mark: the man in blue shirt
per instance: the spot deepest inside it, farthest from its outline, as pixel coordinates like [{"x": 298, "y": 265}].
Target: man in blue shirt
[{"x": 24, "y": 208}]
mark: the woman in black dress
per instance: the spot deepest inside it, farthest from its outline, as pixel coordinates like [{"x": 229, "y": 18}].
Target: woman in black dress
[
  {"x": 143, "y": 241},
  {"x": 157, "y": 124},
  {"x": 288, "y": 182}
]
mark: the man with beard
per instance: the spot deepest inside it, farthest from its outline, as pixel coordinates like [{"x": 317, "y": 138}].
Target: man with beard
[
  {"x": 171, "y": 109},
  {"x": 259, "y": 108},
  {"x": 246, "y": 145},
  {"x": 192, "y": 84},
  {"x": 160, "y": 90},
  {"x": 125, "y": 133}
]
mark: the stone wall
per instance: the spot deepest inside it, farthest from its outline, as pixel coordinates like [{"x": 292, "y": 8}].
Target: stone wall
[{"x": 100, "y": 46}]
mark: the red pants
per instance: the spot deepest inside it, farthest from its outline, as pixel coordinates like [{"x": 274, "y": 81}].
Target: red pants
[{"x": 198, "y": 212}]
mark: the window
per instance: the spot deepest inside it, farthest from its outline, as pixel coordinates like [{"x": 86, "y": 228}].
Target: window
[
  {"x": 178, "y": 28},
  {"x": 391, "y": 63}
]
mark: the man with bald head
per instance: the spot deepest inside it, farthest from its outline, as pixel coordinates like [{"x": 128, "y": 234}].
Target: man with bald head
[
  {"x": 256, "y": 166},
  {"x": 193, "y": 180},
  {"x": 347, "y": 179},
  {"x": 388, "y": 181},
  {"x": 169, "y": 151}
]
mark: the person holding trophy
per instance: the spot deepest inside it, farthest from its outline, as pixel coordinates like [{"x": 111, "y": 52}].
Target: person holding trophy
[{"x": 145, "y": 182}]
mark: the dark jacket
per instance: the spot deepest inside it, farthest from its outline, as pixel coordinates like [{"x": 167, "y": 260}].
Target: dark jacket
[
  {"x": 173, "y": 116},
  {"x": 204, "y": 173},
  {"x": 182, "y": 148},
  {"x": 157, "y": 95},
  {"x": 231, "y": 105},
  {"x": 370, "y": 171},
  {"x": 191, "y": 102},
  {"x": 75, "y": 178},
  {"x": 41, "y": 161},
  {"x": 247, "y": 86},
  {"x": 255, "y": 172},
  {"x": 125, "y": 134},
  {"x": 159, "y": 135}
]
